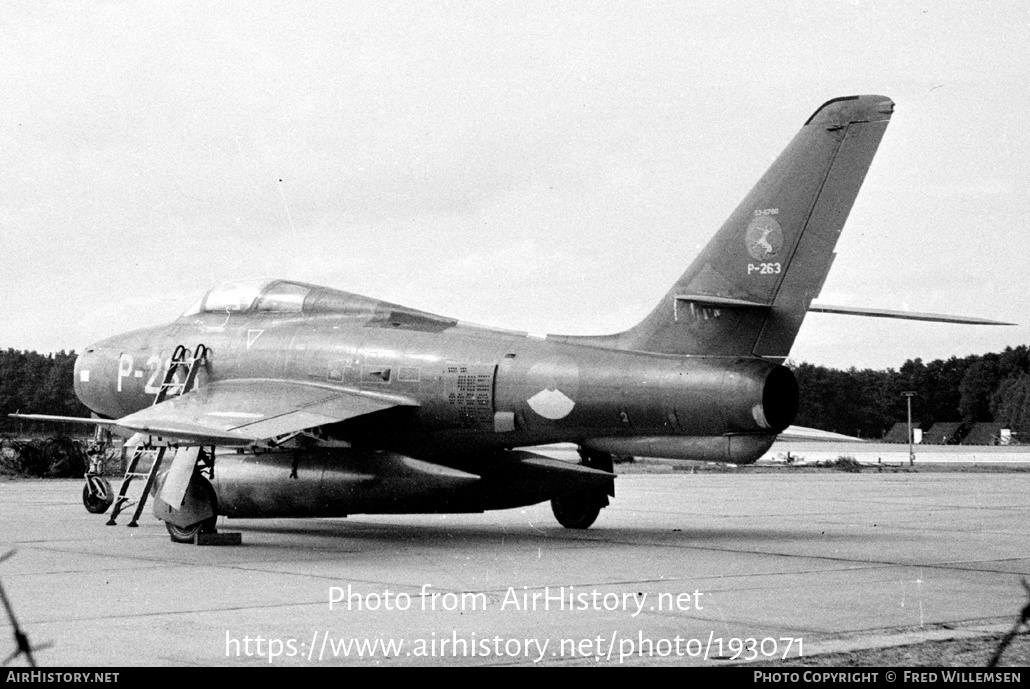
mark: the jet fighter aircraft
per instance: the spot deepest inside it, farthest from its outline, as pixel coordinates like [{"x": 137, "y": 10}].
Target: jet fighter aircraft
[{"x": 313, "y": 402}]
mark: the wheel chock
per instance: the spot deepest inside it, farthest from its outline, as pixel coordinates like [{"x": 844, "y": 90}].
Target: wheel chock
[{"x": 224, "y": 538}]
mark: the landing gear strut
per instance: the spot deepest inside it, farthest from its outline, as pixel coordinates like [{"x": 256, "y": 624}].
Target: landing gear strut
[{"x": 97, "y": 495}]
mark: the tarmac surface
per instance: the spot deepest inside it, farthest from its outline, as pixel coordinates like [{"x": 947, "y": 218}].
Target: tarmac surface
[
  {"x": 682, "y": 569},
  {"x": 897, "y": 454}
]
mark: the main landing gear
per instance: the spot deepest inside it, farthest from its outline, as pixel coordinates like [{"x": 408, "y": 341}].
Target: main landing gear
[
  {"x": 203, "y": 499},
  {"x": 198, "y": 513},
  {"x": 579, "y": 510}
]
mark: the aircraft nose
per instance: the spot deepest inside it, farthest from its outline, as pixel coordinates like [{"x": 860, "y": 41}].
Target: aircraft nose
[
  {"x": 83, "y": 365},
  {"x": 87, "y": 376}
]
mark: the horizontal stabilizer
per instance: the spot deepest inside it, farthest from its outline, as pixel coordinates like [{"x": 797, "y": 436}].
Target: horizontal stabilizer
[
  {"x": 720, "y": 302},
  {"x": 904, "y": 315}
]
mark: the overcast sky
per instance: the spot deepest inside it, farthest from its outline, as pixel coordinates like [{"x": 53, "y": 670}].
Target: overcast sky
[{"x": 549, "y": 166}]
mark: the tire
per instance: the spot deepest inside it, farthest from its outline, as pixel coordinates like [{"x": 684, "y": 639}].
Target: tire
[
  {"x": 99, "y": 503},
  {"x": 576, "y": 510},
  {"x": 187, "y": 534}
]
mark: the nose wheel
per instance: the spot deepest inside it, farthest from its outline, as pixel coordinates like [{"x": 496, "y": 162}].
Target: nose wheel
[{"x": 97, "y": 495}]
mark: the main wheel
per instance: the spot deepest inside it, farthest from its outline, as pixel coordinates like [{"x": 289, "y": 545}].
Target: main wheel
[
  {"x": 97, "y": 502},
  {"x": 186, "y": 534},
  {"x": 181, "y": 534},
  {"x": 576, "y": 510}
]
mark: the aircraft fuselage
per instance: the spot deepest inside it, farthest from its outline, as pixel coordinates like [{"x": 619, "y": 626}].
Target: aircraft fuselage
[{"x": 472, "y": 390}]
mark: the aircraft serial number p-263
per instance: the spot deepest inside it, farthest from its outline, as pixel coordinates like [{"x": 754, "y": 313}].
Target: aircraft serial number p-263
[{"x": 284, "y": 399}]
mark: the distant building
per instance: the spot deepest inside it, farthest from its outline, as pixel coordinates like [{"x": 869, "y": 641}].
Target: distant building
[
  {"x": 943, "y": 433},
  {"x": 987, "y": 434},
  {"x": 899, "y": 433}
]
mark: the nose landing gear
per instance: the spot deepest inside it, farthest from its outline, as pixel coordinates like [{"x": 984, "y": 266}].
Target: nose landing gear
[{"x": 97, "y": 495}]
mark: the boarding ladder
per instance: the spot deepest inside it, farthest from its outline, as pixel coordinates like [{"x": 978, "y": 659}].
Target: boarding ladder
[{"x": 171, "y": 386}]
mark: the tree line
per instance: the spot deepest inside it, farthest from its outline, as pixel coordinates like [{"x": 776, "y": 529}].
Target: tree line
[
  {"x": 867, "y": 403},
  {"x": 37, "y": 384}
]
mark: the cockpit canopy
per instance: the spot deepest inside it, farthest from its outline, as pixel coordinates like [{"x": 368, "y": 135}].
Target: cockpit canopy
[
  {"x": 277, "y": 296},
  {"x": 257, "y": 297}
]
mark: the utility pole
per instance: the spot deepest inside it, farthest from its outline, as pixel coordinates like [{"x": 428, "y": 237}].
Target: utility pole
[{"x": 909, "y": 394}]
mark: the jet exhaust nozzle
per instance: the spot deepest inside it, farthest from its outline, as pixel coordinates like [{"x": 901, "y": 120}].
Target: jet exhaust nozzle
[{"x": 780, "y": 398}]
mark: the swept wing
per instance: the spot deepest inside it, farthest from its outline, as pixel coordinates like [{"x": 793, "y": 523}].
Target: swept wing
[{"x": 248, "y": 411}]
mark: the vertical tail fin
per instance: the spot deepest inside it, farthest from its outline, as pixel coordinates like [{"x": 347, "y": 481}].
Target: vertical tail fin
[{"x": 749, "y": 289}]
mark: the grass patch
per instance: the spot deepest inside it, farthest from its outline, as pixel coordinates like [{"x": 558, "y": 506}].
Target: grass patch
[{"x": 847, "y": 463}]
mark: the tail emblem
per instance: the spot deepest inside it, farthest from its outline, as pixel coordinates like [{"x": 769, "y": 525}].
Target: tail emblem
[{"x": 764, "y": 237}]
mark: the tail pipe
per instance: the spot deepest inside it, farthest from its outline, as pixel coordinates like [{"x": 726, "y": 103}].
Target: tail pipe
[
  {"x": 757, "y": 396},
  {"x": 779, "y": 399}
]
